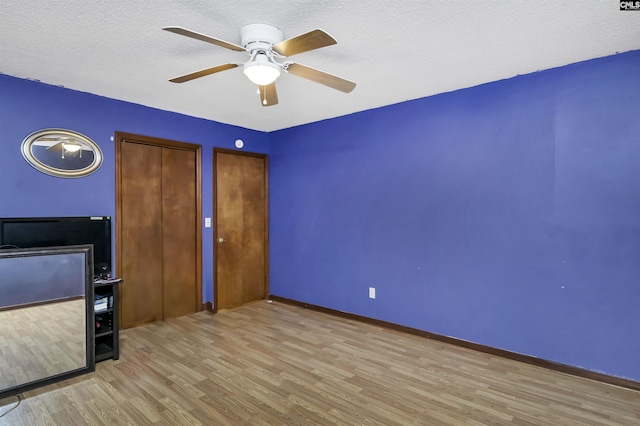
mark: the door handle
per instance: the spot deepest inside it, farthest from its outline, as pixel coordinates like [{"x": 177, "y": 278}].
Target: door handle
[{"x": 222, "y": 240}]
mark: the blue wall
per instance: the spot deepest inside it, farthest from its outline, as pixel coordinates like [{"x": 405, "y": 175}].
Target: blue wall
[
  {"x": 27, "y": 106},
  {"x": 507, "y": 214}
]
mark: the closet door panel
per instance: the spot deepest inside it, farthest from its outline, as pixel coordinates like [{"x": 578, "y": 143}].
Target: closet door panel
[
  {"x": 179, "y": 224},
  {"x": 141, "y": 239}
]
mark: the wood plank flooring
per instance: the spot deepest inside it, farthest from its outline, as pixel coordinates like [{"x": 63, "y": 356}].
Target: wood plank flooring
[{"x": 276, "y": 364}]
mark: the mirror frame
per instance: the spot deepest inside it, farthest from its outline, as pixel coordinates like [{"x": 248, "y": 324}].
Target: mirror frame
[
  {"x": 27, "y": 153},
  {"x": 90, "y": 364}
]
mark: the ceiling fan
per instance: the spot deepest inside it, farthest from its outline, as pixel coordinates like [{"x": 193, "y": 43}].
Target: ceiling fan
[
  {"x": 268, "y": 50},
  {"x": 61, "y": 143}
]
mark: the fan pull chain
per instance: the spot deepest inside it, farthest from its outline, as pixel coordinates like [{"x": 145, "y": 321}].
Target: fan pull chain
[{"x": 264, "y": 101}]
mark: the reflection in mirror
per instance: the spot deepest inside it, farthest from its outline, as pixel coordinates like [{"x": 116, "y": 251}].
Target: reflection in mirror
[
  {"x": 45, "y": 307},
  {"x": 62, "y": 153}
]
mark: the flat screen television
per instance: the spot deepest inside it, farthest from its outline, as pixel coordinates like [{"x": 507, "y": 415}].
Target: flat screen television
[{"x": 27, "y": 232}]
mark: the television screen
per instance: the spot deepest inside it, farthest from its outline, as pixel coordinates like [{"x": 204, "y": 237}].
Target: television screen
[{"x": 61, "y": 231}]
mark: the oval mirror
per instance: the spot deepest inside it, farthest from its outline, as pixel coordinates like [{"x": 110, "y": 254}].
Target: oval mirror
[{"x": 62, "y": 153}]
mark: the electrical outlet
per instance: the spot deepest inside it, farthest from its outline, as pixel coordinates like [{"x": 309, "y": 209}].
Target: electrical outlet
[{"x": 372, "y": 292}]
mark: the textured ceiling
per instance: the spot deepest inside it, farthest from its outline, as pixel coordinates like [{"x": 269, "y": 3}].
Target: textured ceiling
[{"x": 395, "y": 50}]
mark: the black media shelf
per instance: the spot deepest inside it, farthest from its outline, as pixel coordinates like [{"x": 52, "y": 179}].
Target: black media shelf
[{"x": 106, "y": 321}]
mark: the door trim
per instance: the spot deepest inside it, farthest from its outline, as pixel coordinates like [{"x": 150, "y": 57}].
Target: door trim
[
  {"x": 217, "y": 151},
  {"x": 120, "y": 138}
]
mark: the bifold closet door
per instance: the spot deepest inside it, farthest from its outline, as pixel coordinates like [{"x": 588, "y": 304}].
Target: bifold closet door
[
  {"x": 141, "y": 234},
  {"x": 179, "y": 232},
  {"x": 158, "y": 247}
]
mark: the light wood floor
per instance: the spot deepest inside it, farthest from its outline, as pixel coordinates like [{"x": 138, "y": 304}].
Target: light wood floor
[{"x": 278, "y": 364}]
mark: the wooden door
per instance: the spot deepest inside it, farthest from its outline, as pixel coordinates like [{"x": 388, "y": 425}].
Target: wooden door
[
  {"x": 241, "y": 230},
  {"x": 139, "y": 246},
  {"x": 158, "y": 241},
  {"x": 179, "y": 229}
]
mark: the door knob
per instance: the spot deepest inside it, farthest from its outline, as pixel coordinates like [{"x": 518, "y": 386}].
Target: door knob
[{"x": 222, "y": 240}]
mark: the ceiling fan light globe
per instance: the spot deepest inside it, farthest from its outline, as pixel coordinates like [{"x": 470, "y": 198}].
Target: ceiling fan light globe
[
  {"x": 261, "y": 73},
  {"x": 71, "y": 146}
]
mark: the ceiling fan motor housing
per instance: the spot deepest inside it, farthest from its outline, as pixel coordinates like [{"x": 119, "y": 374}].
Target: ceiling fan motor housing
[{"x": 260, "y": 37}]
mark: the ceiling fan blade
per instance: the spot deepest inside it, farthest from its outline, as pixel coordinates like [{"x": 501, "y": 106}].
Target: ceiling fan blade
[
  {"x": 208, "y": 39},
  {"x": 202, "y": 73},
  {"x": 55, "y": 146},
  {"x": 268, "y": 95},
  {"x": 304, "y": 42},
  {"x": 321, "y": 77}
]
